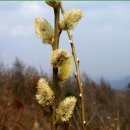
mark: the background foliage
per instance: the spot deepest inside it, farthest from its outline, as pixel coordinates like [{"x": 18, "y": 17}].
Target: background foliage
[{"x": 106, "y": 108}]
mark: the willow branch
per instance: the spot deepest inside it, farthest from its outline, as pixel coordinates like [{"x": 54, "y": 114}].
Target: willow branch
[
  {"x": 55, "y": 70},
  {"x": 77, "y": 76}
]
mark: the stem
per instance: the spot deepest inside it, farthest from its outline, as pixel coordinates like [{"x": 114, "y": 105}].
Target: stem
[
  {"x": 55, "y": 70},
  {"x": 57, "y": 30},
  {"x": 77, "y": 76}
]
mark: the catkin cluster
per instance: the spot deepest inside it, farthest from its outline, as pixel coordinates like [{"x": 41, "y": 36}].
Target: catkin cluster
[
  {"x": 59, "y": 59},
  {"x": 45, "y": 96},
  {"x": 45, "y": 31}
]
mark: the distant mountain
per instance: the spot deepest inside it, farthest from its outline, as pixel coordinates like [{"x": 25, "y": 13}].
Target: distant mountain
[{"x": 119, "y": 83}]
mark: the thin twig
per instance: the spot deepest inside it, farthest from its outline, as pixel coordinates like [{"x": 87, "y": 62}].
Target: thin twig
[
  {"x": 92, "y": 117},
  {"x": 77, "y": 76},
  {"x": 76, "y": 122},
  {"x": 101, "y": 120},
  {"x": 118, "y": 120}
]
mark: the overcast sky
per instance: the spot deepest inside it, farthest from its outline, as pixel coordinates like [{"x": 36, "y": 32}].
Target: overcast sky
[{"x": 102, "y": 37}]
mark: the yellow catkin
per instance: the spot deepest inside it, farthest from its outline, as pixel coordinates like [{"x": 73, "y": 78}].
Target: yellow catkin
[
  {"x": 71, "y": 18},
  {"x": 58, "y": 57},
  {"x": 65, "y": 70},
  {"x": 62, "y": 60},
  {"x": 44, "y": 30},
  {"x": 44, "y": 95},
  {"x": 65, "y": 109}
]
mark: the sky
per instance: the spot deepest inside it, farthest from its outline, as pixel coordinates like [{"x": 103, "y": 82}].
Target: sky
[{"x": 101, "y": 38}]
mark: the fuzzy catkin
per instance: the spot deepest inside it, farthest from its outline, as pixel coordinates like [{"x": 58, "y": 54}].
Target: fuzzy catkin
[
  {"x": 44, "y": 30},
  {"x": 62, "y": 60},
  {"x": 44, "y": 95},
  {"x": 65, "y": 109},
  {"x": 58, "y": 57},
  {"x": 71, "y": 18},
  {"x": 65, "y": 70}
]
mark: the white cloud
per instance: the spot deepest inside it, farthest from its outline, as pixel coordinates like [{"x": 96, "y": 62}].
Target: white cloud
[
  {"x": 32, "y": 9},
  {"x": 20, "y": 21},
  {"x": 20, "y": 31}
]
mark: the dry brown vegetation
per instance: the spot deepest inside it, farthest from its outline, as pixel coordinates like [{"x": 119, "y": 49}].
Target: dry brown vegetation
[{"x": 106, "y": 108}]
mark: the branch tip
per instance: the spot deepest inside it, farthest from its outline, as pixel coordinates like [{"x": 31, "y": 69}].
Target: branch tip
[
  {"x": 81, "y": 84},
  {"x": 84, "y": 122},
  {"x": 78, "y": 60},
  {"x": 71, "y": 42},
  {"x": 80, "y": 95},
  {"x": 76, "y": 74}
]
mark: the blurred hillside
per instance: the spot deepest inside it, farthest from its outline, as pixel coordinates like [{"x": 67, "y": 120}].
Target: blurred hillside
[
  {"x": 117, "y": 84},
  {"x": 106, "y": 108},
  {"x": 120, "y": 83}
]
